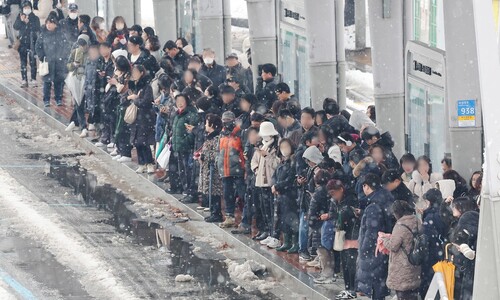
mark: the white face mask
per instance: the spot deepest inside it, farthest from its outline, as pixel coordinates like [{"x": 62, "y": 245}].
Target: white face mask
[
  {"x": 102, "y": 26},
  {"x": 208, "y": 60},
  {"x": 27, "y": 11},
  {"x": 267, "y": 139},
  {"x": 119, "y": 26},
  {"x": 286, "y": 152},
  {"x": 73, "y": 16}
]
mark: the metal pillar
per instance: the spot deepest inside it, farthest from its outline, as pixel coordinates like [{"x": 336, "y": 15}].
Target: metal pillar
[
  {"x": 462, "y": 84},
  {"x": 487, "y": 277},
  {"x": 87, "y": 7},
  {"x": 121, "y": 8},
  {"x": 321, "y": 37},
  {"x": 165, "y": 19},
  {"x": 386, "y": 28},
  {"x": 360, "y": 23},
  {"x": 211, "y": 27},
  {"x": 263, "y": 40},
  {"x": 228, "y": 47},
  {"x": 341, "y": 64}
]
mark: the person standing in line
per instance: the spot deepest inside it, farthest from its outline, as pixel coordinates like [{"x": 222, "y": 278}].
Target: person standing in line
[
  {"x": 69, "y": 25},
  {"x": 28, "y": 25}
]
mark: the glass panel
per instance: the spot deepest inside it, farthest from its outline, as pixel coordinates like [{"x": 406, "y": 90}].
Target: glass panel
[
  {"x": 302, "y": 74},
  {"x": 416, "y": 20},
  {"x": 437, "y": 126},
  {"x": 433, "y": 24},
  {"x": 417, "y": 116},
  {"x": 289, "y": 73}
]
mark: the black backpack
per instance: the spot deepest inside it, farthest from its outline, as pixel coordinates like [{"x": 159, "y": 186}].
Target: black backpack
[{"x": 419, "y": 247}]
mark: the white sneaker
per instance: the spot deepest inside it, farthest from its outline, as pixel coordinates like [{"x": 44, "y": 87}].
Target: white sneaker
[
  {"x": 84, "y": 133},
  {"x": 274, "y": 243},
  {"x": 70, "y": 127},
  {"x": 91, "y": 127},
  {"x": 124, "y": 159},
  {"x": 33, "y": 83},
  {"x": 324, "y": 280},
  {"x": 114, "y": 153},
  {"x": 99, "y": 144},
  {"x": 151, "y": 169},
  {"x": 141, "y": 169},
  {"x": 117, "y": 157},
  {"x": 266, "y": 240},
  {"x": 111, "y": 145}
]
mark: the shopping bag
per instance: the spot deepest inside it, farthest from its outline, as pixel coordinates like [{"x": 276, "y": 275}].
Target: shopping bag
[
  {"x": 447, "y": 268},
  {"x": 131, "y": 114},
  {"x": 75, "y": 85},
  {"x": 43, "y": 68},
  {"x": 338, "y": 242},
  {"x": 164, "y": 157}
]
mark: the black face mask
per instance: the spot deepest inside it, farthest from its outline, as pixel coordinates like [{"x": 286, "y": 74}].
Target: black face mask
[{"x": 229, "y": 126}]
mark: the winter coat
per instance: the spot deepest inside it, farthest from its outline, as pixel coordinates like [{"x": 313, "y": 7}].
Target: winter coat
[
  {"x": 403, "y": 193},
  {"x": 111, "y": 39},
  {"x": 142, "y": 132},
  {"x": 294, "y": 133},
  {"x": 348, "y": 170},
  {"x": 338, "y": 124},
  {"x": 208, "y": 158},
  {"x": 182, "y": 140},
  {"x": 54, "y": 48},
  {"x": 418, "y": 187},
  {"x": 284, "y": 180},
  {"x": 265, "y": 92},
  {"x": 402, "y": 276},
  {"x": 306, "y": 190},
  {"x": 28, "y": 33},
  {"x": 155, "y": 83},
  {"x": 148, "y": 61},
  {"x": 108, "y": 68},
  {"x": 320, "y": 204},
  {"x": 204, "y": 81},
  {"x": 406, "y": 178},
  {"x": 372, "y": 269},
  {"x": 346, "y": 219},
  {"x": 264, "y": 167},
  {"x": 181, "y": 61},
  {"x": 90, "y": 89},
  {"x": 79, "y": 56},
  {"x": 244, "y": 121},
  {"x": 231, "y": 162},
  {"x": 387, "y": 143},
  {"x": 234, "y": 106},
  {"x": 216, "y": 73},
  {"x": 90, "y": 33},
  {"x": 363, "y": 168},
  {"x": 70, "y": 29}
]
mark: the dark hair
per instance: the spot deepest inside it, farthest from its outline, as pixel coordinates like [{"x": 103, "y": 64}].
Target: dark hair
[
  {"x": 372, "y": 180},
  {"x": 154, "y": 41},
  {"x": 322, "y": 115},
  {"x": 213, "y": 91},
  {"x": 328, "y": 163},
  {"x": 335, "y": 185},
  {"x": 194, "y": 59},
  {"x": 141, "y": 69},
  {"x": 123, "y": 64},
  {"x": 345, "y": 114},
  {"x": 331, "y": 107},
  {"x": 480, "y": 178},
  {"x": 401, "y": 208},
  {"x": 186, "y": 98},
  {"x": 408, "y": 157},
  {"x": 165, "y": 82},
  {"x": 203, "y": 103},
  {"x": 434, "y": 196},
  {"x": 269, "y": 68},
  {"x": 150, "y": 32},
  {"x": 117, "y": 19},
  {"x": 282, "y": 87},
  {"x": 370, "y": 132},
  {"x": 95, "y": 23},
  {"x": 94, "y": 46},
  {"x": 52, "y": 18},
  {"x": 357, "y": 155},
  {"x": 227, "y": 89},
  {"x": 85, "y": 19},
  {"x": 464, "y": 204},
  {"x": 308, "y": 136},
  {"x": 453, "y": 175},
  {"x": 250, "y": 98},
  {"x": 167, "y": 65},
  {"x": 447, "y": 161},
  {"x": 391, "y": 176},
  {"x": 427, "y": 160},
  {"x": 105, "y": 44},
  {"x": 322, "y": 177},
  {"x": 308, "y": 110},
  {"x": 256, "y": 117},
  {"x": 214, "y": 121},
  {"x": 373, "y": 116},
  {"x": 183, "y": 40},
  {"x": 192, "y": 93},
  {"x": 285, "y": 140},
  {"x": 285, "y": 113}
]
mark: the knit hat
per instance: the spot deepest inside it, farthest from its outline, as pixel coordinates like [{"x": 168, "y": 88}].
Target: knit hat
[
  {"x": 83, "y": 38},
  {"x": 267, "y": 129},
  {"x": 313, "y": 154},
  {"x": 228, "y": 116}
]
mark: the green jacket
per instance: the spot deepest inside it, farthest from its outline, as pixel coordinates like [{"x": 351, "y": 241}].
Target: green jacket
[{"x": 182, "y": 140}]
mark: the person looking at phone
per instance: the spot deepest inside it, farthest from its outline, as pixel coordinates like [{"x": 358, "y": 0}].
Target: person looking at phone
[{"x": 28, "y": 26}]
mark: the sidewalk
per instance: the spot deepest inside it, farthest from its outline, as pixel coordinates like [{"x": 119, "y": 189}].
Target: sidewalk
[{"x": 285, "y": 265}]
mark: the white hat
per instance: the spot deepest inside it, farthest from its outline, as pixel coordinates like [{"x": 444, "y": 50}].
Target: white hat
[
  {"x": 267, "y": 129},
  {"x": 119, "y": 52},
  {"x": 313, "y": 154}
]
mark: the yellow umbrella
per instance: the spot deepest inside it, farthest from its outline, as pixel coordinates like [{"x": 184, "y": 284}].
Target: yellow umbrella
[{"x": 447, "y": 268}]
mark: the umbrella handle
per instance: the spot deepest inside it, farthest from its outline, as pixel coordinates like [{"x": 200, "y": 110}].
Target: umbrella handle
[{"x": 447, "y": 250}]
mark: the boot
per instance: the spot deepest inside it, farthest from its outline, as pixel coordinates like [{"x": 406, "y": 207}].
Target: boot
[
  {"x": 287, "y": 243},
  {"x": 326, "y": 275},
  {"x": 295, "y": 244}
]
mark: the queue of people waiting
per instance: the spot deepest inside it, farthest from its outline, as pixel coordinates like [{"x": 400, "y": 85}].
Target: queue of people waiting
[{"x": 323, "y": 184}]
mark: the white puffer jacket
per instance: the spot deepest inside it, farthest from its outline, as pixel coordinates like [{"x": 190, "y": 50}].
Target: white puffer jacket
[{"x": 419, "y": 187}]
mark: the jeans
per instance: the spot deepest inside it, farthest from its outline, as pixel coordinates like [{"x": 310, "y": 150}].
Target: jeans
[
  {"x": 184, "y": 170},
  {"x": 78, "y": 115},
  {"x": 233, "y": 186},
  {"x": 327, "y": 235},
  {"x": 349, "y": 257},
  {"x": 58, "y": 91},
  {"x": 24, "y": 55},
  {"x": 303, "y": 233},
  {"x": 144, "y": 155}
]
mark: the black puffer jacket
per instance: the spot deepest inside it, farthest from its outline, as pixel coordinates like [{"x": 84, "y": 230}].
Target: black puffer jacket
[
  {"x": 148, "y": 61},
  {"x": 28, "y": 33},
  {"x": 387, "y": 143},
  {"x": 142, "y": 131},
  {"x": 320, "y": 204},
  {"x": 343, "y": 213},
  {"x": 54, "y": 47}
]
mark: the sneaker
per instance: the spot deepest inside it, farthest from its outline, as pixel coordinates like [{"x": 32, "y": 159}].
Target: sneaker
[
  {"x": 345, "y": 295},
  {"x": 274, "y": 243},
  {"x": 213, "y": 219},
  {"x": 303, "y": 257},
  {"x": 315, "y": 263},
  {"x": 207, "y": 209},
  {"x": 114, "y": 153},
  {"x": 33, "y": 83},
  {"x": 124, "y": 159},
  {"x": 99, "y": 144},
  {"x": 70, "y": 127},
  {"x": 228, "y": 222},
  {"x": 59, "y": 103},
  {"x": 241, "y": 230},
  {"x": 46, "y": 104},
  {"x": 84, "y": 133},
  {"x": 91, "y": 127},
  {"x": 117, "y": 157},
  {"x": 324, "y": 280},
  {"x": 151, "y": 169},
  {"x": 24, "y": 84},
  {"x": 141, "y": 169},
  {"x": 266, "y": 241},
  {"x": 111, "y": 145}
]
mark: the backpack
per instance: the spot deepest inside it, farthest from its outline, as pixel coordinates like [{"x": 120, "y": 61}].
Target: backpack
[{"x": 419, "y": 247}]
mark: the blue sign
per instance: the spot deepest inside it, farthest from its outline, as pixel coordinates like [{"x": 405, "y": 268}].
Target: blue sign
[{"x": 466, "y": 113}]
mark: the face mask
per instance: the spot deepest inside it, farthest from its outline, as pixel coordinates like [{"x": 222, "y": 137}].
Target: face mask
[
  {"x": 208, "y": 60},
  {"x": 267, "y": 139},
  {"x": 119, "y": 26},
  {"x": 286, "y": 152},
  {"x": 27, "y": 11},
  {"x": 229, "y": 125},
  {"x": 73, "y": 16},
  {"x": 102, "y": 26}
]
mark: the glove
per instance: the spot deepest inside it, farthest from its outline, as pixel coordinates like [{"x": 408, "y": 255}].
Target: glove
[{"x": 467, "y": 251}]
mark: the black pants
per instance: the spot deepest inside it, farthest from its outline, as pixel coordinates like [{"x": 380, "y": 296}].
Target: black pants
[
  {"x": 288, "y": 214},
  {"x": 184, "y": 170},
  {"x": 24, "y": 55},
  {"x": 78, "y": 115},
  {"x": 173, "y": 172},
  {"x": 144, "y": 154},
  {"x": 108, "y": 128},
  {"x": 349, "y": 257},
  {"x": 123, "y": 142},
  {"x": 407, "y": 295},
  {"x": 58, "y": 91},
  {"x": 336, "y": 260},
  {"x": 266, "y": 203},
  {"x": 215, "y": 205}
]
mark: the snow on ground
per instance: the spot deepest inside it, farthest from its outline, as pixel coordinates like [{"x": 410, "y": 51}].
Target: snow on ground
[
  {"x": 64, "y": 243},
  {"x": 239, "y": 9},
  {"x": 361, "y": 82},
  {"x": 245, "y": 273},
  {"x": 350, "y": 37},
  {"x": 4, "y": 293}
]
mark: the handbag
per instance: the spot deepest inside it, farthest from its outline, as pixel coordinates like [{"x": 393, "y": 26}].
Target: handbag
[
  {"x": 17, "y": 44},
  {"x": 338, "y": 242},
  {"x": 43, "y": 68},
  {"x": 164, "y": 157},
  {"x": 130, "y": 114}
]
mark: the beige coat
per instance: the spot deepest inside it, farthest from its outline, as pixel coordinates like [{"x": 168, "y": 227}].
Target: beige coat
[
  {"x": 264, "y": 167},
  {"x": 402, "y": 276},
  {"x": 419, "y": 187}
]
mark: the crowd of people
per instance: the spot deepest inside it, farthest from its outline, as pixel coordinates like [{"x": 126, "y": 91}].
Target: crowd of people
[{"x": 323, "y": 184}]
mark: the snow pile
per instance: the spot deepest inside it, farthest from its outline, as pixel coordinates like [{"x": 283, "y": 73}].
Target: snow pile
[
  {"x": 361, "y": 82},
  {"x": 239, "y": 9},
  {"x": 245, "y": 275},
  {"x": 4, "y": 293},
  {"x": 350, "y": 37},
  {"x": 183, "y": 278}
]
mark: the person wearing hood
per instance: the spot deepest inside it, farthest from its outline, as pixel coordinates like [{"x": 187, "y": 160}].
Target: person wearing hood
[
  {"x": 69, "y": 25},
  {"x": 215, "y": 72},
  {"x": 371, "y": 271},
  {"x": 436, "y": 232},
  {"x": 359, "y": 120},
  {"x": 28, "y": 25},
  {"x": 371, "y": 136},
  {"x": 335, "y": 121},
  {"x": 266, "y": 86},
  {"x": 423, "y": 179},
  {"x": 53, "y": 47},
  {"x": 139, "y": 56},
  {"x": 393, "y": 183},
  {"x": 179, "y": 57},
  {"x": 265, "y": 160},
  {"x": 118, "y": 35},
  {"x": 291, "y": 127},
  {"x": 231, "y": 165}
]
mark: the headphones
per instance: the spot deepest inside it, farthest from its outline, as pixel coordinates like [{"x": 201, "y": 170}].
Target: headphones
[{"x": 347, "y": 143}]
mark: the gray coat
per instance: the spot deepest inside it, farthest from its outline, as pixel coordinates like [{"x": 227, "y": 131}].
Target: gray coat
[{"x": 54, "y": 47}]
